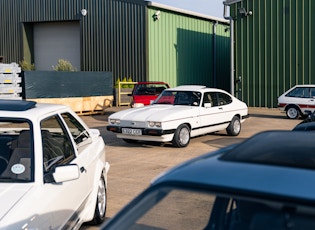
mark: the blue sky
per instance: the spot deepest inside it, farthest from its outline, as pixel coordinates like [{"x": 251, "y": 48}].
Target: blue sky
[{"x": 208, "y": 7}]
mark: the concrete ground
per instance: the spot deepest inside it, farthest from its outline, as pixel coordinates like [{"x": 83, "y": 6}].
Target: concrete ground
[{"x": 133, "y": 166}]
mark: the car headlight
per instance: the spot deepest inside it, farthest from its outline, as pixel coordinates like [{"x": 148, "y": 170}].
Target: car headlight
[
  {"x": 114, "y": 121},
  {"x": 156, "y": 124},
  {"x": 137, "y": 105}
]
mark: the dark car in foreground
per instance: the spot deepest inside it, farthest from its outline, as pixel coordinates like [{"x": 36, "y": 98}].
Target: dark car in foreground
[
  {"x": 265, "y": 182},
  {"x": 308, "y": 124}
]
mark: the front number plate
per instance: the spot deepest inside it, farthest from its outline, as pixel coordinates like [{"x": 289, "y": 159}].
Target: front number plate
[{"x": 131, "y": 131}]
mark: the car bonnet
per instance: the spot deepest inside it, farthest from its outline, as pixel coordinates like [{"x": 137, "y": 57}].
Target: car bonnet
[{"x": 154, "y": 113}]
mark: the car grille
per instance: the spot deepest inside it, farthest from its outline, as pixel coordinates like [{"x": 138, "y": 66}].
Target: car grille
[{"x": 138, "y": 124}]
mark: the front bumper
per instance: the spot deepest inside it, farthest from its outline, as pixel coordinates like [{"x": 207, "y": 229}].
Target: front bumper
[{"x": 145, "y": 131}]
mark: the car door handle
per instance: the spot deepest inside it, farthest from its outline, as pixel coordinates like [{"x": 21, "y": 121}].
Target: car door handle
[
  {"x": 221, "y": 108},
  {"x": 82, "y": 170}
]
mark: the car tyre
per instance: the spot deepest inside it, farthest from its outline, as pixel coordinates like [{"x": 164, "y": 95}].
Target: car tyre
[
  {"x": 130, "y": 141},
  {"x": 181, "y": 136},
  {"x": 234, "y": 127},
  {"x": 292, "y": 112},
  {"x": 101, "y": 203}
]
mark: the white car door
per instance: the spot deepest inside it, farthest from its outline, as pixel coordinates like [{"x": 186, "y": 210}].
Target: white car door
[
  {"x": 212, "y": 114},
  {"x": 65, "y": 200},
  {"x": 86, "y": 150}
]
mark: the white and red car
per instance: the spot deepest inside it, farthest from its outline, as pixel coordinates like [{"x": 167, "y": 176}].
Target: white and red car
[
  {"x": 180, "y": 113},
  {"x": 53, "y": 172},
  {"x": 298, "y": 101}
]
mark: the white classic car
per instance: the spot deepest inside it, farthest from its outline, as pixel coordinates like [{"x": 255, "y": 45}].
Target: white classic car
[
  {"x": 53, "y": 173},
  {"x": 179, "y": 114},
  {"x": 298, "y": 101}
]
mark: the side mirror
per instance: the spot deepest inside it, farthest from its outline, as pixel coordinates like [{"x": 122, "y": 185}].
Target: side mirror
[
  {"x": 95, "y": 132},
  {"x": 207, "y": 105},
  {"x": 63, "y": 173}
]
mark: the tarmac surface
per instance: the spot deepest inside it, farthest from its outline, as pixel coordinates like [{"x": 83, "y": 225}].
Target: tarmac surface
[{"x": 133, "y": 166}]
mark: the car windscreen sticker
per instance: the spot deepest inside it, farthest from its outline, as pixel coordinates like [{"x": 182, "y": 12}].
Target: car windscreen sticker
[{"x": 18, "y": 168}]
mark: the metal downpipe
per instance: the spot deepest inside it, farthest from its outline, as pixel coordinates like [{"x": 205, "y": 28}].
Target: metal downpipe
[{"x": 231, "y": 44}]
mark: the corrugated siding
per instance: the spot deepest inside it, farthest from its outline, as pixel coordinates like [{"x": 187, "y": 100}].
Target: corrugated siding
[
  {"x": 9, "y": 32},
  {"x": 273, "y": 48},
  {"x": 113, "y": 32},
  {"x": 182, "y": 49}
]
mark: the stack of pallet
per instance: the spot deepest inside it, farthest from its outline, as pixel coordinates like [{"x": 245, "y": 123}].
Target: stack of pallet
[{"x": 10, "y": 81}]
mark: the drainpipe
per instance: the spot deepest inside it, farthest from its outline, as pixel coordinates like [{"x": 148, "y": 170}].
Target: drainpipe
[
  {"x": 231, "y": 44},
  {"x": 215, "y": 54}
]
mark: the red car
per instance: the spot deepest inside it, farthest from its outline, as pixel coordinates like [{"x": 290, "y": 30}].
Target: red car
[{"x": 144, "y": 93}]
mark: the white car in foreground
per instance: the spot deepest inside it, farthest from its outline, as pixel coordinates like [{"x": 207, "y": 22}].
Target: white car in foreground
[
  {"x": 53, "y": 173},
  {"x": 179, "y": 114}
]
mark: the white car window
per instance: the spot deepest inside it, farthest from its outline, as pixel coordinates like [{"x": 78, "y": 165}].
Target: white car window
[
  {"x": 77, "y": 130},
  {"x": 57, "y": 146},
  {"x": 16, "y": 151},
  {"x": 210, "y": 97},
  {"x": 224, "y": 99},
  {"x": 302, "y": 92}
]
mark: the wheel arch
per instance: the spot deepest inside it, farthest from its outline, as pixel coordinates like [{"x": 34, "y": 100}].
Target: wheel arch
[
  {"x": 185, "y": 123},
  {"x": 292, "y": 105},
  {"x": 239, "y": 116},
  {"x": 100, "y": 171}
]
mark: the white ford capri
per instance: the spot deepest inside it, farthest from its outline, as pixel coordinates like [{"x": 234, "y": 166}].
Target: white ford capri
[
  {"x": 181, "y": 113},
  {"x": 53, "y": 172}
]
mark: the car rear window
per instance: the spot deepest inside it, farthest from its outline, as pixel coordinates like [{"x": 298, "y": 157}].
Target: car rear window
[{"x": 281, "y": 148}]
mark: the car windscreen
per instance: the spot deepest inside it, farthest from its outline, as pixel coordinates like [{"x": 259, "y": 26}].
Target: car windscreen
[
  {"x": 148, "y": 89},
  {"x": 16, "y": 150},
  {"x": 190, "y": 98},
  {"x": 193, "y": 208}
]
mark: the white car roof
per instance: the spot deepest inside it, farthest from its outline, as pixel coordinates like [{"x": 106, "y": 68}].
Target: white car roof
[
  {"x": 307, "y": 85},
  {"x": 28, "y": 109},
  {"x": 200, "y": 88}
]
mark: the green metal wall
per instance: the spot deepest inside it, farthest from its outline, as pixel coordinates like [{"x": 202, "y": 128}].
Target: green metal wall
[
  {"x": 274, "y": 48},
  {"x": 187, "y": 50}
]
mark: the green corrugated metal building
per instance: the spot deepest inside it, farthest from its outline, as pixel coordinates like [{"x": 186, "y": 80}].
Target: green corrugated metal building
[
  {"x": 187, "y": 48},
  {"x": 121, "y": 36},
  {"x": 273, "y": 48}
]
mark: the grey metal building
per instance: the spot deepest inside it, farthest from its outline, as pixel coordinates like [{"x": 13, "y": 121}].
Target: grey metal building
[{"x": 121, "y": 36}]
